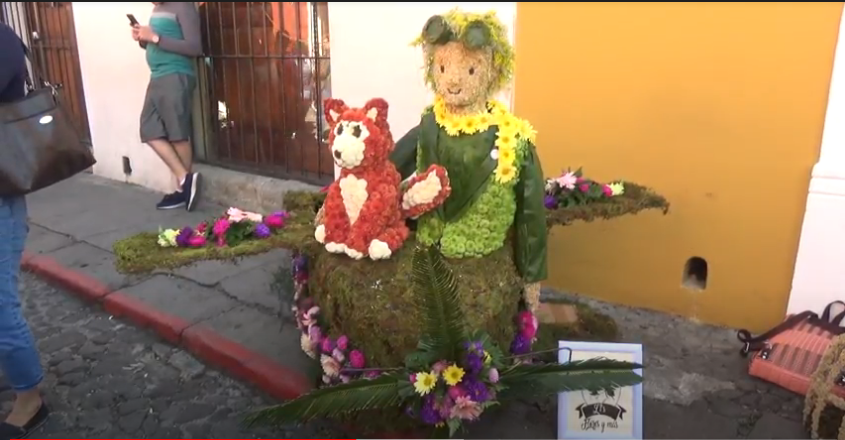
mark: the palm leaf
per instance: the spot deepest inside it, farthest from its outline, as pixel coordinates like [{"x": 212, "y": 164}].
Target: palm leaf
[
  {"x": 363, "y": 394},
  {"x": 590, "y": 374},
  {"x": 437, "y": 295}
]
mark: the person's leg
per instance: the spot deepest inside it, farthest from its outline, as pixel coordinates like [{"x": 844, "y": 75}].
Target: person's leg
[
  {"x": 154, "y": 133},
  {"x": 19, "y": 359},
  {"x": 175, "y": 111}
]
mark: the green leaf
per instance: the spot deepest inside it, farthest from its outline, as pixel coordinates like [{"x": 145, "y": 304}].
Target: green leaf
[
  {"x": 359, "y": 395},
  {"x": 454, "y": 426},
  {"x": 437, "y": 295},
  {"x": 419, "y": 360},
  {"x": 590, "y": 374}
]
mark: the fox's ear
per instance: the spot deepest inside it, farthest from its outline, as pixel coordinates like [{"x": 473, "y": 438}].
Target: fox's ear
[
  {"x": 376, "y": 109},
  {"x": 333, "y": 108}
]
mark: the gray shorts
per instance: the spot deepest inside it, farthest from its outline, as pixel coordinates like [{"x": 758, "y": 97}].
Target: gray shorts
[{"x": 167, "y": 108}]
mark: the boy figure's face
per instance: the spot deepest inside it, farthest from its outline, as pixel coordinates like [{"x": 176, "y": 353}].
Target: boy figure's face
[{"x": 462, "y": 77}]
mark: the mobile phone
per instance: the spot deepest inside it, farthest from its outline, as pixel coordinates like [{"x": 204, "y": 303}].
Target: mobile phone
[{"x": 132, "y": 20}]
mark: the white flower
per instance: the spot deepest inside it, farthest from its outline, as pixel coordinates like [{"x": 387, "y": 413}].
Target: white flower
[
  {"x": 616, "y": 188},
  {"x": 307, "y": 346},
  {"x": 331, "y": 367}
]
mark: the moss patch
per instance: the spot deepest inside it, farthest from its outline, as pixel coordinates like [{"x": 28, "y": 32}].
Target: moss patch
[
  {"x": 372, "y": 302},
  {"x": 591, "y": 326},
  {"x": 141, "y": 253},
  {"x": 635, "y": 199}
]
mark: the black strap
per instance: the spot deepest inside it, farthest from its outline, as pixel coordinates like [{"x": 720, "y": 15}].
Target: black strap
[
  {"x": 42, "y": 82},
  {"x": 826, "y": 314},
  {"x": 758, "y": 343}
]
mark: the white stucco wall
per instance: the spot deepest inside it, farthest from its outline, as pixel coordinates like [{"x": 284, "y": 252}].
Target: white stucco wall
[
  {"x": 114, "y": 77},
  {"x": 371, "y": 54},
  {"x": 819, "y": 276}
]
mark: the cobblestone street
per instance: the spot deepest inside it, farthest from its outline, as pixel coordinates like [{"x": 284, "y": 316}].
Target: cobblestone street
[{"x": 107, "y": 379}]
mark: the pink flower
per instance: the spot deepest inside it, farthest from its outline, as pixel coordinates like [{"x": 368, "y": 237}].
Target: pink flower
[
  {"x": 439, "y": 366},
  {"x": 607, "y": 191},
  {"x": 327, "y": 345},
  {"x": 196, "y": 241},
  {"x": 254, "y": 217},
  {"x": 201, "y": 227},
  {"x": 444, "y": 406},
  {"x": 372, "y": 374},
  {"x": 235, "y": 215},
  {"x": 528, "y": 324},
  {"x": 412, "y": 378},
  {"x": 356, "y": 359},
  {"x": 315, "y": 334},
  {"x": 219, "y": 230},
  {"x": 567, "y": 180},
  {"x": 331, "y": 367},
  {"x": 465, "y": 409},
  {"x": 580, "y": 179},
  {"x": 326, "y": 379},
  {"x": 584, "y": 187},
  {"x": 338, "y": 355},
  {"x": 493, "y": 375},
  {"x": 344, "y": 378},
  {"x": 342, "y": 342},
  {"x": 456, "y": 391},
  {"x": 274, "y": 221}
]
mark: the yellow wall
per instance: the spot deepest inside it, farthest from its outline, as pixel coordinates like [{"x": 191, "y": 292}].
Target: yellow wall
[{"x": 718, "y": 106}]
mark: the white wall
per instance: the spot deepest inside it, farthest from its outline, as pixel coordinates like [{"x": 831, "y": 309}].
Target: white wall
[
  {"x": 371, "y": 55},
  {"x": 114, "y": 77},
  {"x": 819, "y": 276}
]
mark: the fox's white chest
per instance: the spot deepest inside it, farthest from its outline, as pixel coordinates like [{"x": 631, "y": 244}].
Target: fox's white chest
[{"x": 354, "y": 193}]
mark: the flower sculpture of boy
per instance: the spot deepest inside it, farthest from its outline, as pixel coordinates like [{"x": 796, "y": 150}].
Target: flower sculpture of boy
[{"x": 496, "y": 179}]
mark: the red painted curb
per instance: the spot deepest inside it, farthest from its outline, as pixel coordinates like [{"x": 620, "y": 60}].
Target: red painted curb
[
  {"x": 79, "y": 283},
  {"x": 273, "y": 378}
]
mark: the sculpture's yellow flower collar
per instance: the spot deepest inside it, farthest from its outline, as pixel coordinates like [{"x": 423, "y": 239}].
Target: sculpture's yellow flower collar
[{"x": 510, "y": 130}]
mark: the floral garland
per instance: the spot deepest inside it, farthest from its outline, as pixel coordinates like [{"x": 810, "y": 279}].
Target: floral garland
[
  {"x": 571, "y": 189},
  {"x": 341, "y": 363},
  {"x": 230, "y": 229},
  {"x": 511, "y": 135}
]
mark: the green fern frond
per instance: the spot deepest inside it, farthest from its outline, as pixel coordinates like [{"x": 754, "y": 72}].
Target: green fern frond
[
  {"x": 359, "y": 395},
  {"x": 590, "y": 374},
  {"x": 437, "y": 294}
]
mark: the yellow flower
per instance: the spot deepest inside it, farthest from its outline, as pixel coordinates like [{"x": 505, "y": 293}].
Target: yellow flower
[
  {"x": 469, "y": 124},
  {"x": 616, "y": 188},
  {"x": 484, "y": 121},
  {"x": 424, "y": 383},
  {"x": 452, "y": 126},
  {"x": 505, "y": 173},
  {"x": 527, "y": 131},
  {"x": 507, "y": 155},
  {"x": 508, "y": 124},
  {"x": 505, "y": 141},
  {"x": 487, "y": 358},
  {"x": 453, "y": 375}
]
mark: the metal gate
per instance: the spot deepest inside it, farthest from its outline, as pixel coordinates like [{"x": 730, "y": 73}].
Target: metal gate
[
  {"x": 263, "y": 80},
  {"x": 47, "y": 28}
]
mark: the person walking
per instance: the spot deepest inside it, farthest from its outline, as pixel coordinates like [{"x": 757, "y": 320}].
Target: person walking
[
  {"x": 172, "y": 40},
  {"x": 19, "y": 360}
]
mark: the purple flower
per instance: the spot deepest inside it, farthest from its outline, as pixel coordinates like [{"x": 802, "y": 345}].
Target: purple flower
[
  {"x": 185, "y": 234},
  {"x": 342, "y": 342},
  {"x": 474, "y": 362},
  {"x": 428, "y": 413},
  {"x": 262, "y": 230},
  {"x": 327, "y": 345},
  {"x": 282, "y": 214},
  {"x": 550, "y": 201},
  {"x": 520, "y": 344},
  {"x": 476, "y": 390}
]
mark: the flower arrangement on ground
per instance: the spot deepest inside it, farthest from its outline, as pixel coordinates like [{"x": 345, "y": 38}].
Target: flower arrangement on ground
[
  {"x": 230, "y": 229},
  {"x": 572, "y": 189},
  {"x": 455, "y": 374}
]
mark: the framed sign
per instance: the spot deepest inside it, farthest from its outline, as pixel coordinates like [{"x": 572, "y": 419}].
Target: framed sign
[{"x": 601, "y": 414}]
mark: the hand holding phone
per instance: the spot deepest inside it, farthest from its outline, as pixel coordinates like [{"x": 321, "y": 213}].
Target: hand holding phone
[{"x": 132, "y": 20}]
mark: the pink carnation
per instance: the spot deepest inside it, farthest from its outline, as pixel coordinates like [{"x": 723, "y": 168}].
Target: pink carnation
[
  {"x": 219, "y": 230},
  {"x": 456, "y": 391},
  {"x": 196, "y": 241},
  {"x": 356, "y": 359},
  {"x": 343, "y": 342},
  {"x": 527, "y": 324},
  {"x": 607, "y": 191},
  {"x": 327, "y": 345},
  {"x": 274, "y": 221},
  {"x": 584, "y": 187}
]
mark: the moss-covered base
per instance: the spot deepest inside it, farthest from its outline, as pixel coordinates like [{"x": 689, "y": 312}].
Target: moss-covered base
[
  {"x": 635, "y": 199},
  {"x": 372, "y": 302}
]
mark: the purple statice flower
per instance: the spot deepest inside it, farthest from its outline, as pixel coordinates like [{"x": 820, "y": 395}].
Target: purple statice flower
[
  {"x": 550, "y": 201},
  {"x": 282, "y": 214},
  {"x": 474, "y": 362},
  {"x": 520, "y": 344},
  {"x": 185, "y": 234},
  {"x": 476, "y": 390},
  {"x": 474, "y": 346},
  {"x": 262, "y": 230},
  {"x": 428, "y": 413}
]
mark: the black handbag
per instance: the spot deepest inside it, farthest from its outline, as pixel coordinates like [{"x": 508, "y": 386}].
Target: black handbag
[{"x": 39, "y": 144}]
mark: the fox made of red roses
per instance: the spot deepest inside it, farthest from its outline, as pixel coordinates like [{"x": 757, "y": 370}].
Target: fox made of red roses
[{"x": 366, "y": 206}]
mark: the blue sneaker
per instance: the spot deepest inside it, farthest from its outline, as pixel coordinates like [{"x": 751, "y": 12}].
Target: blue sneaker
[
  {"x": 190, "y": 190},
  {"x": 171, "y": 201}
]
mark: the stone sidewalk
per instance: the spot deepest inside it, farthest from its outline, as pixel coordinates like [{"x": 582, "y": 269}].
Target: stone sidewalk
[
  {"x": 76, "y": 222},
  {"x": 696, "y": 384}
]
